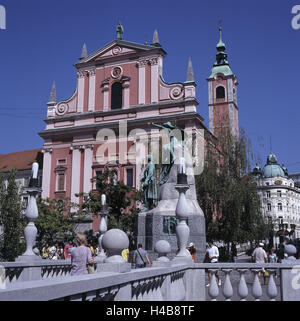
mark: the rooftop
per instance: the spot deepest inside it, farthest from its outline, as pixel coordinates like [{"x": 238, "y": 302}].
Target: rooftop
[{"x": 20, "y": 160}]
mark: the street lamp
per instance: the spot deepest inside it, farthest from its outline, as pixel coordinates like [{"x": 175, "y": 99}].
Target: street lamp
[{"x": 102, "y": 229}]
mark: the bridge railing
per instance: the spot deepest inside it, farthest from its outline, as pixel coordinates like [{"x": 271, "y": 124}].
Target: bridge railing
[
  {"x": 148, "y": 284},
  {"x": 240, "y": 281},
  {"x": 43, "y": 269}
]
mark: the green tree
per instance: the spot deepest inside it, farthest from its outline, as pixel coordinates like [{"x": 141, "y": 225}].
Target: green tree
[
  {"x": 227, "y": 194},
  {"x": 56, "y": 221},
  {"x": 13, "y": 225},
  {"x": 120, "y": 198}
]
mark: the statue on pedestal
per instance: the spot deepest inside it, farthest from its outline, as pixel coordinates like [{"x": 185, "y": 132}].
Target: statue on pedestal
[
  {"x": 169, "y": 150},
  {"x": 149, "y": 185}
]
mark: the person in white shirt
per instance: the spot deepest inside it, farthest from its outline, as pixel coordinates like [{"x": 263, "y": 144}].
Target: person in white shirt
[
  {"x": 53, "y": 252},
  {"x": 213, "y": 254},
  {"x": 259, "y": 255}
]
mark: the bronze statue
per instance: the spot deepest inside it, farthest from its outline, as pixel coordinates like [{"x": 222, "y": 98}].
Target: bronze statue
[
  {"x": 166, "y": 166},
  {"x": 149, "y": 185}
]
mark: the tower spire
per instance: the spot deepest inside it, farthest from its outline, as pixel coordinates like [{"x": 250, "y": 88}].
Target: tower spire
[
  {"x": 120, "y": 31},
  {"x": 52, "y": 99},
  {"x": 221, "y": 55},
  {"x": 155, "y": 41},
  {"x": 190, "y": 72},
  {"x": 83, "y": 52}
]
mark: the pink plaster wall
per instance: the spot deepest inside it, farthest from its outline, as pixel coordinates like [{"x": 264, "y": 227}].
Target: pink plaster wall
[{"x": 60, "y": 153}]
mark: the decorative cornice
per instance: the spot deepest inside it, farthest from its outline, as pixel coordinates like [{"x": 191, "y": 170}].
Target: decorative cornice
[
  {"x": 142, "y": 63},
  {"x": 150, "y": 61},
  {"x": 47, "y": 150},
  {"x": 80, "y": 74},
  {"x": 153, "y": 61},
  {"x": 81, "y": 130},
  {"x": 60, "y": 168},
  {"x": 131, "y": 109},
  {"x": 92, "y": 72},
  {"x": 82, "y": 147}
]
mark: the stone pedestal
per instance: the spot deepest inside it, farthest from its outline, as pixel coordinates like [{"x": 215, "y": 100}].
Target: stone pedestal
[
  {"x": 160, "y": 222},
  {"x": 84, "y": 224}
]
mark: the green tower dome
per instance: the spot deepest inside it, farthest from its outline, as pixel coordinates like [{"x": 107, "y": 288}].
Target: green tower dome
[{"x": 272, "y": 168}]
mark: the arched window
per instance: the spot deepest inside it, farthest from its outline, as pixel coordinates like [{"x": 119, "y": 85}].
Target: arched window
[
  {"x": 220, "y": 92},
  {"x": 279, "y": 206},
  {"x": 269, "y": 207},
  {"x": 116, "y": 95}
]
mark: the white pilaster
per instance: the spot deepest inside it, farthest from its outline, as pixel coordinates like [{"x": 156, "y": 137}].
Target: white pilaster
[
  {"x": 80, "y": 91},
  {"x": 142, "y": 81},
  {"x": 105, "y": 91},
  {"x": 126, "y": 94},
  {"x": 46, "y": 173},
  {"x": 88, "y": 172},
  {"x": 92, "y": 89},
  {"x": 75, "y": 185},
  {"x": 210, "y": 93},
  {"x": 211, "y": 118},
  {"x": 154, "y": 80},
  {"x": 230, "y": 89}
]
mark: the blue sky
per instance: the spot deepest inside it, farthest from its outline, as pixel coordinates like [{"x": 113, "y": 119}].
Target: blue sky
[{"x": 43, "y": 40}]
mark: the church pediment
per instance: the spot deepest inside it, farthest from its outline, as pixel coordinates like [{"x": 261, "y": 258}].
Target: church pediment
[{"x": 118, "y": 48}]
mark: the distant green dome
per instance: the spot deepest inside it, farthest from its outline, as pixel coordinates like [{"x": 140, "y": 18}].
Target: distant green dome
[
  {"x": 257, "y": 171},
  {"x": 272, "y": 168}
]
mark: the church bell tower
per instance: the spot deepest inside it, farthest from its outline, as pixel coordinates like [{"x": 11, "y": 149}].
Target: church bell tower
[{"x": 222, "y": 83}]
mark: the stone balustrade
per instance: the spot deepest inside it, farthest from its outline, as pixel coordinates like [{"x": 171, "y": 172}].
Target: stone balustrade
[
  {"x": 38, "y": 270},
  {"x": 149, "y": 284},
  {"x": 180, "y": 282},
  {"x": 245, "y": 281}
]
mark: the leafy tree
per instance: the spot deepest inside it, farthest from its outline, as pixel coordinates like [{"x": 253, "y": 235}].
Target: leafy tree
[
  {"x": 13, "y": 225},
  {"x": 227, "y": 194},
  {"x": 120, "y": 198},
  {"x": 56, "y": 221}
]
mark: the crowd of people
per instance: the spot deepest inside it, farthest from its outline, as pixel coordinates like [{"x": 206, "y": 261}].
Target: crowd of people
[
  {"x": 62, "y": 251},
  {"x": 82, "y": 253}
]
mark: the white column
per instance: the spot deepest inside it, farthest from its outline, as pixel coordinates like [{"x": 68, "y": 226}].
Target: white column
[
  {"x": 154, "y": 80},
  {"x": 126, "y": 94},
  {"x": 87, "y": 172},
  {"x": 80, "y": 91},
  {"x": 92, "y": 89},
  {"x": 46, "y": 173},
  {"x": 142, "y": 81},
  {"x": 75, "y": 185},
  {"x": 105, "y": 91}
]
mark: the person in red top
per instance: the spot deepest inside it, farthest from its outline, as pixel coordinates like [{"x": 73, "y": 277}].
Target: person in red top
[
  {"x": 192, "y": 251},
  {"x": 67, "y": 248}
]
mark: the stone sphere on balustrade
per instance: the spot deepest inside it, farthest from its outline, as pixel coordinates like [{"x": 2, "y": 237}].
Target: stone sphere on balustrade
[
  {"x": 163, "y": 248},
  {"x": 114, "y": 241},
  {"x": 290, "y": 249}
]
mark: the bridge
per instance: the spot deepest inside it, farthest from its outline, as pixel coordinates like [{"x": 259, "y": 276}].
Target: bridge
[{"x": 48, "y": 280}]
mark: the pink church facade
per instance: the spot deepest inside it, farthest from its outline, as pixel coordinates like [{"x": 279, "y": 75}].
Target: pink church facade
[{"x": 119, "y": 85}]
